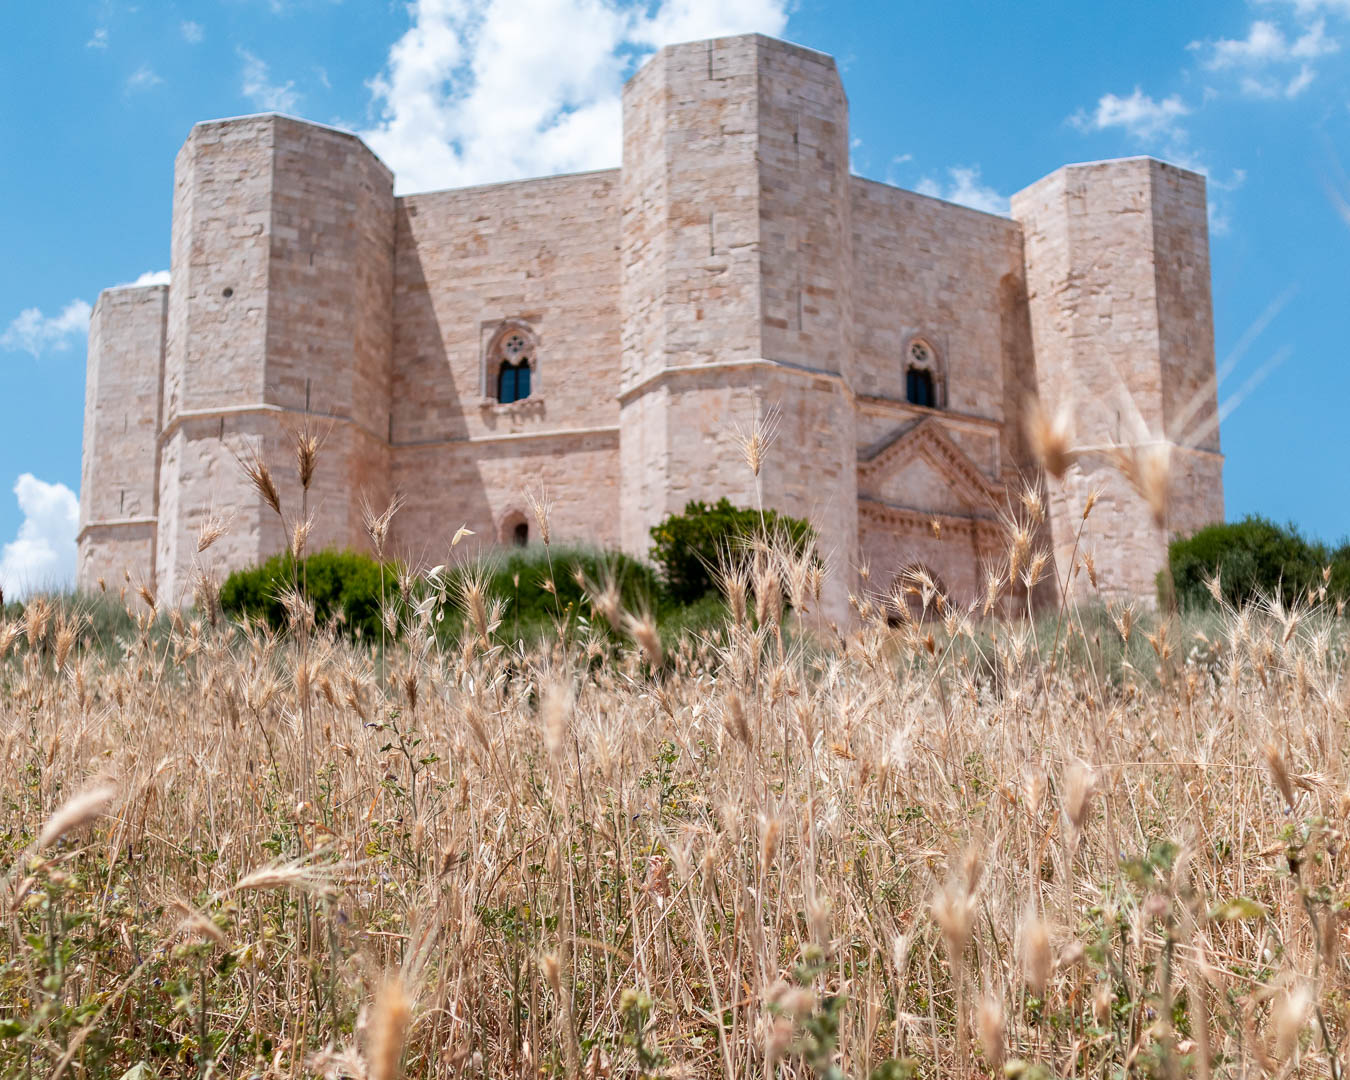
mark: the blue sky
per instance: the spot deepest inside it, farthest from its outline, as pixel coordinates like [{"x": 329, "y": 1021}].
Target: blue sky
[{"x": 967, "y": 100}]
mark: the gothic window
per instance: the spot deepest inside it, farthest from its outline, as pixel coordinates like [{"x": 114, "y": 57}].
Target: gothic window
[
  {"x": 513, "y": 359},
  {"x": 922, "y": 378},
  {"x": 520, "y": 535}
]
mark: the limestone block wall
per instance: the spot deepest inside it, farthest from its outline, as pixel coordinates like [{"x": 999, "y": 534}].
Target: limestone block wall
[
  {"x": 690, "y": 240},
  {"x": 807, "y": 299},
  {"x": 1121, "y": 324},
  {"x": 118, "y": 491},
  {"x": 541, "y": 254},
  {"x": 481, "y": 484},
  {"x": 690, "y": 296},
  {"x": 930, "y": 270},
  {"x": 736, "y": 256},
  {"x": 806, "y": 235},
  {"x": 952, "y": 277},
  {"x": 282, "y": 260},
  {"x": 733, "y": 266}
]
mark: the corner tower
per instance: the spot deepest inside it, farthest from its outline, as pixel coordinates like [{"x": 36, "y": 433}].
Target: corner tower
[
  {"x": 736, "y": 247},
  {"x": 280, "y": 315},
  {"x": 1117, "y": 269},
  {"x": 118, "y": 491}
]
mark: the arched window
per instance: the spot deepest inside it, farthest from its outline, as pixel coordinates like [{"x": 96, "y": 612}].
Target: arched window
[
  {"x": 520, "y": 535},
  {"x": 514, "y": 359},
  {"x": 922, "y": 378}
]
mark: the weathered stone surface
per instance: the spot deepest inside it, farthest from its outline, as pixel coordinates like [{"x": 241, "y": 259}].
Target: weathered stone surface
[
  {"x": 731, "y": 268},
  {"x": 121, "y": 428},
  {"x": 1117, "y": 258}
]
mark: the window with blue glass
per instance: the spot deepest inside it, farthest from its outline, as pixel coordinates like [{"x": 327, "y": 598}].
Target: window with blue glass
[{"x": 515, "y": 361}]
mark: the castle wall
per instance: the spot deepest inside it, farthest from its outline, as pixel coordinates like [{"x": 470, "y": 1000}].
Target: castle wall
[
  {"x": 690, "y": 293},
  {"x": 736, "y": 291},
  {"x": 951, "y": 277},
  {"x": 807, "y": 289},
  {"x": 121, "y": 426},
  {"x": 279, "y": 317},
  {"x": 732, "y": 268},
  {"x": 330, "y": 317},
  {"x": 541, "y": 252},
  {"x": 1123, "y": 338},
  {"x": 481, "y": 484},
  {"x": 928, "y": 269}
]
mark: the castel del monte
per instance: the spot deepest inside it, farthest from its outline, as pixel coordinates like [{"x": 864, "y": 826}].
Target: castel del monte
[{"x": 606, "y": 335}]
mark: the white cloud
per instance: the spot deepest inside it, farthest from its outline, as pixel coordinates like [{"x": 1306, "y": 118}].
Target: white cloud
[
  {"x": 192, "y": 32},
  {"x": 143, "y": 78},
  {"x": 502, "y": 89},
  {"x": 964, "y": 187},
  {"x": 33, "y": 332},
  {"x": 150, "y": 277},
  {"x": 257, "y": 86},
  {"x": 1138, "y": 115},
  {"x": 99, "y": 40},
  {"x": 42, "y": 555},
  {"x": 1220, "y": 218},
  {"x": 1267, "y": 44},
  {"x": 1271, "y": 87},
  {"x": 1308, "y": 8}
]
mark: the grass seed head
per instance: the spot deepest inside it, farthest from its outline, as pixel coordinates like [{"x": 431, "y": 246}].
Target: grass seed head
[
  {"x": 260, "y": 476},
  {"x": 388, "y": 1028},
  {"x": 1049, "y": 436},
  {"x": 989, "y": 1021},
  {"x": 79, "y": 810},
  {"x": 1037, "y": 959}
]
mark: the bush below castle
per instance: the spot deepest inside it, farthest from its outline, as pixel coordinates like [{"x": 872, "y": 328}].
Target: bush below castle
[{"x": 1253, "y": 559}]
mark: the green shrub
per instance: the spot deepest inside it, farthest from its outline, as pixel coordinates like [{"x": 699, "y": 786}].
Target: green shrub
[
  {"x": 1253, "y": 557},
  {"x": 338, "y": 583},
  {"x": 347, "y": 583},
  {"x": 521, "y": 576},
  {"x": 688, "y": 547}
]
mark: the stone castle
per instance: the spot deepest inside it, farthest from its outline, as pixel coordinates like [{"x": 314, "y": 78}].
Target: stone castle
[{"x": 607, "y": 334}]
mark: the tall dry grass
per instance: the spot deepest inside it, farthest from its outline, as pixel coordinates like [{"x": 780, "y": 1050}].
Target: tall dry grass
[{"x": 940, "y": 845}]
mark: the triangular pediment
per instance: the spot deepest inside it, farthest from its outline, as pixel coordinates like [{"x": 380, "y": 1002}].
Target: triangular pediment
[{"x": 920, "y": 467}]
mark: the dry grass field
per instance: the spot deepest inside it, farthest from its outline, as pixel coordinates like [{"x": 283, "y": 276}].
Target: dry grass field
[{"x": 960, "y": 843}]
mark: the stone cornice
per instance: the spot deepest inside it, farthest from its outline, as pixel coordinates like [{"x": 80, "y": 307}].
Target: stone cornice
[
  {"x": 909, "y": 519},
  {"x": 803, "y": 371},
  {"x": 114, "y": 523},
  {"x": 245, "y": 410},
  {"x": 899, "y": 407},
  {"x": 222, "y": 411},
  {"x": 511, "y": 436}
]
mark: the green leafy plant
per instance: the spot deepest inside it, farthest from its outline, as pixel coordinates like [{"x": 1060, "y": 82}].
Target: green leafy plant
[
  {"x": 688, "y": 547},
  {"x": 343, "y": 584},
  {"x": 1252, "y": 558}
]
